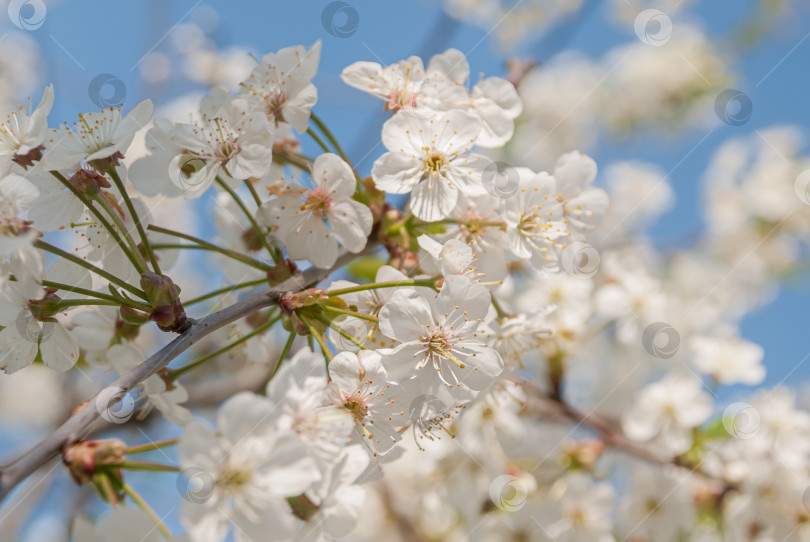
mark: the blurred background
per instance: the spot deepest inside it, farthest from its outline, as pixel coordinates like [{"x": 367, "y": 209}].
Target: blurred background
[{"x": 700, "y": 97}]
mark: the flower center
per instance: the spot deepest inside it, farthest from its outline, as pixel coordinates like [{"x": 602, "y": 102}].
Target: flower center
[
  {"x": 232, "y": 479},
  {"x": 224, "y": 141},
  {"x": 400, "y": 99},
  {"x": 533, "y": 224},
  {"x": 434, "y": 161},
  {"x": 274, "y": 103},
  {"x": 317, "y": 203},
  {"x": 355, "y": 404},
  {"x": 439, "y": 344}
]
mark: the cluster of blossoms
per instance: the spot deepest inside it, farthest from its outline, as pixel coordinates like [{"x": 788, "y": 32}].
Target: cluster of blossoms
[{"x": 504, "y": 346}]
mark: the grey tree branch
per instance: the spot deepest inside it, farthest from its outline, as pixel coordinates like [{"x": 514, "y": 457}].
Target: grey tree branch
[
  {"x": 612, "y": 436},
  {"x": 81, "y": 423}
]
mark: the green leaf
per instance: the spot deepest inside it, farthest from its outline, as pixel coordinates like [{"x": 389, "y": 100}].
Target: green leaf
[{"x": 364, "y": 269}]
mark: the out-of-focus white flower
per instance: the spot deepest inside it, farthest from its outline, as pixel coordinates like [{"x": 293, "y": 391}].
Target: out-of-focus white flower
[
  {"x": 729, "y": 359},
  {"x": 123, "y": 524},
  {"x": 16, "y": 196},
  {"x": 661, "y": 504},
  {"x": 248, "y": 469},
  {"x": 339, "y": 501},
  {"x": 665, "y": 412}
]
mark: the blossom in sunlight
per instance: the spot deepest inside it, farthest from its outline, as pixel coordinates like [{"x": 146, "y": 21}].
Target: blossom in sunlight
[
  {"x": 310, "y": 222},
  {"x": 360, "y": 386},
  {"x": 534, "y": 219},
  {"x": 441, "y": 340},
  {"x": 231, "y": 139},
  {"x": 428, "y": 157},
  {"x": 30, "y": 316},
  {"x": 96, "y": 136},
  {"x": 282, "y": 84},
  {"x": 245, "y": 473},
  {"x": 23, "y": 132}
]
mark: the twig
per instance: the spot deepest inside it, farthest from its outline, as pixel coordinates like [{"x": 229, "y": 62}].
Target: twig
[{"x": 81, "y": 423}]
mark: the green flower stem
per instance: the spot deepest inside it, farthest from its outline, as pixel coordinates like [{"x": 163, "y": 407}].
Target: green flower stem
[
  {"x": 341, "y": 331},
  {"x": 320, "y": 124},
  {"x": 100, "y": 217},
  {"x": 148, "y": 466},
  {"x": 138, "y": 262},
  {"x": 175, "y": 373},
  {"x": 350, "y": 313},
  {"x": 165, "y": 246},
  {"x": 318, "y": 140},
  {"x": 148, "y": 509},
  {"x": 296, "y": 160},
  {"x": 314, "y": 333},
  {"x": 430, "y": 283},
  {"x": 92, "y": 293},
  {"x": 250, "y": 217},
  {"x": 210, "y": 246},
  {"x": 284, "y": 352},
  {"x": 128, "y": 202},
  {"x": 149, "y": 446},
  {"x": 275, "y": 253},
  {"x": 225, "y": 290},
  {"x": 65, "y": 303},
  {"x": 87, "y": 265},
  {"x": 470, "y": 223}
]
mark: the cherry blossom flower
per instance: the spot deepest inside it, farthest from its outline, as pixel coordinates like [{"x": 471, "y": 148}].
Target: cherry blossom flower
[
  {"x": 29, "y": 313},
  {"x": 428, "y": 157},
  {"x": 398, "y": 84},
  {"x": 231, "y": 139},
  {"x": 534, "y": 220},
  {"x": 282, "y": 85},
  {"x": 728, "y": 359},
  {"x": 310, "y": 222},
  {"x": 667, "y": 411},
  {"x": 23, "y": 132},
  {"x": 245, "y": 473},
  {"x": 16, "y": 196},
  {"x": 442, "y": 335},
  {"x": 360, "y": 386},
  {"x": 95, "y": 136}
]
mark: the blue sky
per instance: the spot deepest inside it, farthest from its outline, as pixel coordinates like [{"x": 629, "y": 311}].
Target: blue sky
[{"x": 84, "y": 38}]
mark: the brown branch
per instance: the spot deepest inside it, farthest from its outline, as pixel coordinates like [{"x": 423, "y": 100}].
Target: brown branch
[
  {"x": 611, "y": 435},
  {"x": 81, "y": 423}
]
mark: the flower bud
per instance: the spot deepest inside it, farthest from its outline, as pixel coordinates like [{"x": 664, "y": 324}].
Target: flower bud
[
  {"x": 164, "y": 298},
  {"x": 84, "y": 459},
  {"x": 89, "y": 183},
  {"x": 281, "y": 272}
]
